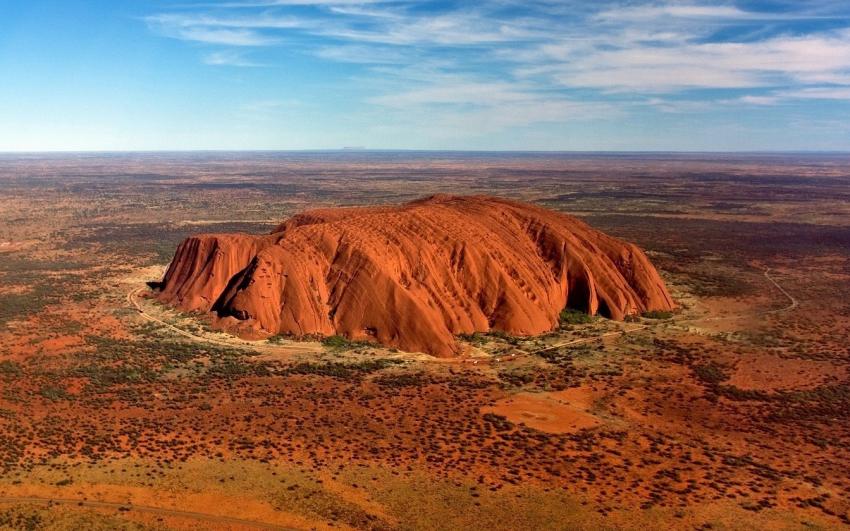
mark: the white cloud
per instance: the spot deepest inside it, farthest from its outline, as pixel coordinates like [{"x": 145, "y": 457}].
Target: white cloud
[
  {"x": 468, "y": 93},
  {"x": 228, "y": 58},
  {"x": 456, "y": 29},
  {"x": 759, "y": 100},
  {"x": 355, "y": 53},
  {"x": 233, "y": 37},
  {"x": 263, "y": 21},
  {"x": 666, "y": 67},
  {"x": 278, "y": 3},
  {"x": 209, "y": 30},
  {"x": 818, "y": 93},
  {"x": 614, "y": 52},
  {"x": 694, "y": 11}
]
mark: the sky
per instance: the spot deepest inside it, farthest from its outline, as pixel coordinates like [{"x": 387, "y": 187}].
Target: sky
[{"x": 766, "y": 75}]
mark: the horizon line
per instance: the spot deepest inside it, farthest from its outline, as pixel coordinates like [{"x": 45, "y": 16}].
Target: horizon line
[{"x": 419, "y": 150}]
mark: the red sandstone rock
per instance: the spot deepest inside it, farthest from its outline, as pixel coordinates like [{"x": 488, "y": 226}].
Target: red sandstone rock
[{"x": 414, "y": 276}]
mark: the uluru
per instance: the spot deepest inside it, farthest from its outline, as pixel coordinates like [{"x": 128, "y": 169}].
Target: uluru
[{"x": 413, "y": 276}]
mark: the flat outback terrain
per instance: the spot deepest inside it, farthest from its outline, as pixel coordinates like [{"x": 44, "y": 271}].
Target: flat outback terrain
[{"x": 732, "y": 411}]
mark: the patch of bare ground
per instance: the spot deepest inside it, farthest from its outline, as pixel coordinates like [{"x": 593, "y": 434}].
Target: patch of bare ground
[{"x": 564, "y": 411}]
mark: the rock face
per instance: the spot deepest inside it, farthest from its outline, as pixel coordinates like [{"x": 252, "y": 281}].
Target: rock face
[{"x": 414, "y": 276}]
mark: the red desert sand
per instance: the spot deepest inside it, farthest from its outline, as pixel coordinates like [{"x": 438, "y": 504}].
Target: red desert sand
[
  {"x": 413, "y": 276},
  {"x": 564, "y": 411}
]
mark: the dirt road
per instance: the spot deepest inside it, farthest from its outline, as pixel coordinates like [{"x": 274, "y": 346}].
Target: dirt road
[
  {"x": 790, "y": 297},
  {"x": 590, "y": 339},
  {"x": 235, "y": 343},
  {"x": 793, "y": 303}
]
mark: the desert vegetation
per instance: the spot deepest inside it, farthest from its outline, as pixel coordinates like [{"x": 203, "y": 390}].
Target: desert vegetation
[{"x": 729, "y": 412}]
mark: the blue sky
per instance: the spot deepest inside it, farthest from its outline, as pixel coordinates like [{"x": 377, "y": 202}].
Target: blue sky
[{"x": 489, "y": 74}]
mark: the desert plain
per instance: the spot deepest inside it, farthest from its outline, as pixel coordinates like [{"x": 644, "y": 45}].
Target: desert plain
[{"x": 730, "y": 412}]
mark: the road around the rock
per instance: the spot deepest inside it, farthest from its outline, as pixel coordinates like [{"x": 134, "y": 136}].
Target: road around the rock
[
  {"x": 793, "y": 304},
  {"x": 264, "y": 347},
  {"x": 589, "y": 339}
]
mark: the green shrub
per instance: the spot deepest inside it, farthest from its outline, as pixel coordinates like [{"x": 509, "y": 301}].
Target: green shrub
[
  {"x": 572, "y": 317},
  {"x": 499, "y": 422},
  {"x": 735, "y": 393},
  {"x": 338, "y": 342},
  {"x": 516, "y": 378},
  {"x": 340, "y": 370},
  {"x": 417, "y": 379},
  {"x": 710, "y": 373},
  {"x": 476, "y": 338},
  {"x": 54, "y": 393},
  {"x": 657, "y": 314},
  {"x": 10, "y": 367}
]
